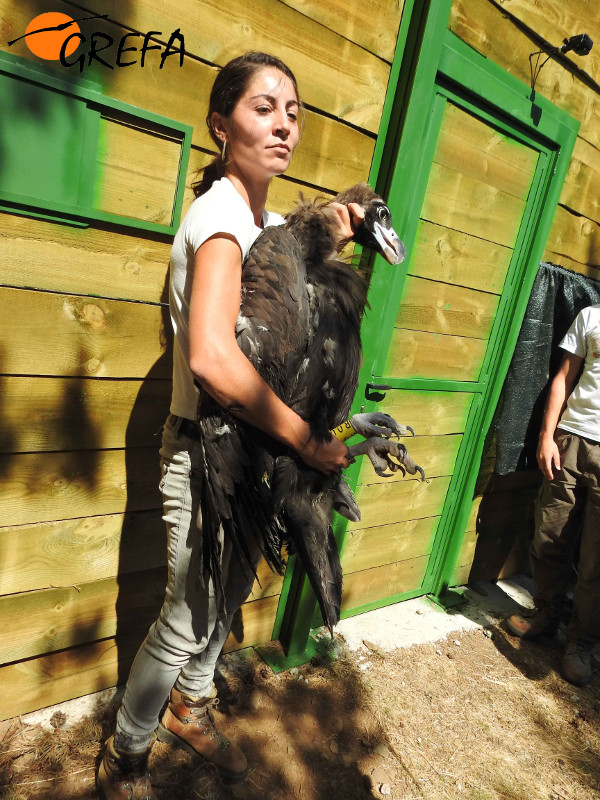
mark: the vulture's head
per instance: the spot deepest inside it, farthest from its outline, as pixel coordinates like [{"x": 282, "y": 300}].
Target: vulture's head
[{"x": 376, "y": 231}]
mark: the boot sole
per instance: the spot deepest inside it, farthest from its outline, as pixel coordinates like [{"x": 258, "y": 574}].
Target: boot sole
[{"x": 166, "y": 736}]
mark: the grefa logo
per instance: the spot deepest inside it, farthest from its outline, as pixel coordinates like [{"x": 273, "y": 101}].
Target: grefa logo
[{"x": 55, "y": 36}]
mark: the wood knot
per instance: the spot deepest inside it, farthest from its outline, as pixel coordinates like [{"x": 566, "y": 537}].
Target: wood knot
[{"x": 93, "y": 316}]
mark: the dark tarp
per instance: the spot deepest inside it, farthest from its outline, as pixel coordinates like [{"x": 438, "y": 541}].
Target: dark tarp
[{"x": 558, "y": 295}]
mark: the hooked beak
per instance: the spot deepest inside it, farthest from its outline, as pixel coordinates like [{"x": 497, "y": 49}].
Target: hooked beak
[{"x": 391, "y": 247}]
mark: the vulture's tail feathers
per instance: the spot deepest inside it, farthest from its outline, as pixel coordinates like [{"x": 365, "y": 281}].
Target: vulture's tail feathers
[{"x": 308, "y": 524}]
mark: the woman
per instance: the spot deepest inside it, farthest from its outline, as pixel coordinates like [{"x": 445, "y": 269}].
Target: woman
[{"x": 253, "y": 119}]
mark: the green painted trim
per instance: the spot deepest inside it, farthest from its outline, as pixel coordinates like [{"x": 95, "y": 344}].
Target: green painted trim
[
  {"x": 88, "y": 159},
  {"x": 431, "y": 384},
  {"x": 283, "y": 597},
  {"x": 184, "y": 160},
  {"x": 96, "y": 105},
  {"x": 470, "y": 71},
  {"x": 26, "y": 212},
  {"x": 16, "y": 203},
  {"x": 449, "y": 600},
  {"x": 386, "y": 601},
  {"x": 280, "y": 662},
  {"x": 390, "y": 115}
]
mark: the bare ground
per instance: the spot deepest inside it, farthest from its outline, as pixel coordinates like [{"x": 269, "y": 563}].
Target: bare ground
[{"x": 480, "y": 716}]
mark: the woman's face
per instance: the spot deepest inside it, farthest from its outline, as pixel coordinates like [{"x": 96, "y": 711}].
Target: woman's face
[{"x": 262, "y": 131}]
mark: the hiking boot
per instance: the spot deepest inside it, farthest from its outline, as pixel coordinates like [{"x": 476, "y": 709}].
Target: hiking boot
[
  {"x": 188, "y": 723},
  {"x": 576, "y": 665},
  {"x": 124, "y": 776},
  {"x": 541, "y": 621}
]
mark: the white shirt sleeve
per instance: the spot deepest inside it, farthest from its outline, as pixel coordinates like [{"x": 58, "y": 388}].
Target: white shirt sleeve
[
  {"x": 575, "y": 338},
  {"x": 205, "y": 219}
]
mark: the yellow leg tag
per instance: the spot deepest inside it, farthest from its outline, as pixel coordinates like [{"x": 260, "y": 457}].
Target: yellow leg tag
[{"x": 343, "y": 431}]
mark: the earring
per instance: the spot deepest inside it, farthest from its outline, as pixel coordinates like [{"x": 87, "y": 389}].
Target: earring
[{"x": 223, "y": 152}]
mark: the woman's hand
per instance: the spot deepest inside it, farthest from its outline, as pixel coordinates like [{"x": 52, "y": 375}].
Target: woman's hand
[
  {"x": 548, "y": 456},
  {"x": 348, "y": 218},
  {"x": 329, "y": 457}
]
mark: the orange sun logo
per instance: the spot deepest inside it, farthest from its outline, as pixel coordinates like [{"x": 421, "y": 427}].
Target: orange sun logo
[{"x": 46, "y": 34}]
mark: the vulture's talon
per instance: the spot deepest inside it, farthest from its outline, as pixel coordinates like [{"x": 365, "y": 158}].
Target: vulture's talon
[{"x": 382, "y": 452}]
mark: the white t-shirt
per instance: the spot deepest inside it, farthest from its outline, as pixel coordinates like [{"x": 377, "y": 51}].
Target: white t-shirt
[
  {"x": 582, "y": 414},
  {"x": 220, "y": 210}
]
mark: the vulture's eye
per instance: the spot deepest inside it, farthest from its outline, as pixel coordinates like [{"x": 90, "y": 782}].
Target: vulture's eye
[{"x": 383, "y": 213}]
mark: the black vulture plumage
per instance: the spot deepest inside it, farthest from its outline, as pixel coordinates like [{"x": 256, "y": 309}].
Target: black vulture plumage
[{"x": 299, "y": 325}]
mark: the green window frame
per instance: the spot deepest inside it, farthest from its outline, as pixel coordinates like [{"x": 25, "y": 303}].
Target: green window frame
[{"x": 51, "y": 172}]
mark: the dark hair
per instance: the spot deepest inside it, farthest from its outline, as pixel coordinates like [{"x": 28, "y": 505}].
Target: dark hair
[{"x": 230, "y": 84}]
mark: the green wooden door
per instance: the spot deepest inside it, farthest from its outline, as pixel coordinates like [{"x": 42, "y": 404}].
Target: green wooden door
[{"x": 441, "y": 332}]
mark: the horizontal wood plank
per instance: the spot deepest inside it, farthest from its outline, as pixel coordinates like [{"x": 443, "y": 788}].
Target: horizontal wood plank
[
  {"x": 69, "y": 552},
  {"x": 436, "y": 307},
  {"x": 40, "y": 682},
  {"x": 38, "y": 487},
  {"x": 372, "y": 24},
  {"x": 382, "y": 504},
  {"x": 588, "y": 270},
  {"x": 333, "y": 74},
  {"x": 40, "y": 622},
  {"x": 385, "y": 544},
  {"x": 417, "y": 354},
  {"x": 91, "y": 337},
  {"x": 471, "y": 206},
  {"x": 371, "y": 585},
  {"x": 72, "y": 551},
  {"x": 575, "y": 237},
  {"x": 581, "y": 189},
  {"x": 92, "y": 261},
  {"x": 429, "y": 413},
  {"x": 136, "y": 172},
  {"x": 435, "y": 454},
  {"x": 474, "y": 148},
  {"x": 36, "y": 623},
  {"x": 41, "y": 414},
  {"x": 457, "y": 258}
]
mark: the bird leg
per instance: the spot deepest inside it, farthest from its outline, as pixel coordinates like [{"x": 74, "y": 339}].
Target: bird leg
[
  {"x": 381, "y": 452},
  {"x": 378, "y": 424}
]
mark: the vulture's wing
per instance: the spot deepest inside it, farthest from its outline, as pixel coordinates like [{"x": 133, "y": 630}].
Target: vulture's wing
[
  {"x": 273, "y": 326},
  {"x": 238, "y": 460}
]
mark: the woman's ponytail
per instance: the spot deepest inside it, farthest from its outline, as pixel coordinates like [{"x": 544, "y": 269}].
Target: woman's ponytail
[{"x": 208, "y": 175}]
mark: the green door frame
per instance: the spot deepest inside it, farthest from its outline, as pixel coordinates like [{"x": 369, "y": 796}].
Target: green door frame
[{"x": 432, "y": 66}]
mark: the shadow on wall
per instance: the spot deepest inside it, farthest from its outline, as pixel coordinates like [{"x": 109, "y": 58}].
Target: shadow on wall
[{"x": 143, "y": 536}]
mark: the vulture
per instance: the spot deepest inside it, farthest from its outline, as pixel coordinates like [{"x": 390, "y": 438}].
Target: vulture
[{"x": 299, "y": 325}]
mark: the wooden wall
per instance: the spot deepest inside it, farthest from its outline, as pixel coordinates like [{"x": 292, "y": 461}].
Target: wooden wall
[
  {"x": 84, "y": 352},
  {"x": 501, "y": 522}
]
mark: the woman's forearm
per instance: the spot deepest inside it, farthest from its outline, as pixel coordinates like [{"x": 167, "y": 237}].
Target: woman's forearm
[{"x": 227, "y": 375}]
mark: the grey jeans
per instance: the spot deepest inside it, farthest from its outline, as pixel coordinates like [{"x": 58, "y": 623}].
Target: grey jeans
[
  {"x": 183, "y": 645},
  {"x": 568, "y": 512}
]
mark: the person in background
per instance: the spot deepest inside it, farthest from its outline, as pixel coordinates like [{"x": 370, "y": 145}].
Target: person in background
[{"x": 568, "y": 505}]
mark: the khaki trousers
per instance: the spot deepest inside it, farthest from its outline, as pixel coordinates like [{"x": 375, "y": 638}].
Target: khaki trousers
[{"x": 568, "y": 511}]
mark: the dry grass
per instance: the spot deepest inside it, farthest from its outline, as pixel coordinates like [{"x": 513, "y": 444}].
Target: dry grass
[{"x": 487, "y": 719}]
